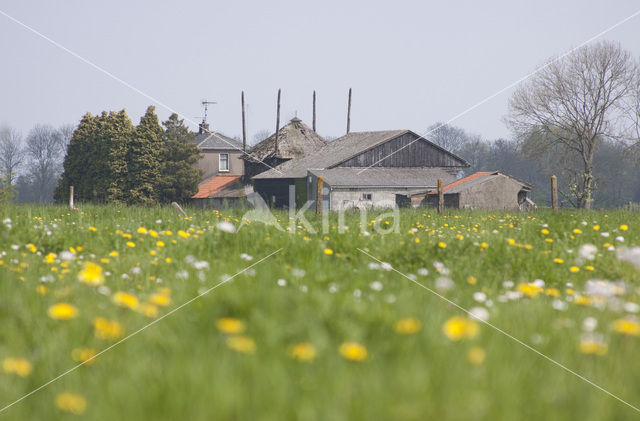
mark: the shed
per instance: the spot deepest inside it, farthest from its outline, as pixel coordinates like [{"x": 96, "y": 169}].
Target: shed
[
  {"x": 222, "y": 191},
  {"x": 485, "y": 190}
]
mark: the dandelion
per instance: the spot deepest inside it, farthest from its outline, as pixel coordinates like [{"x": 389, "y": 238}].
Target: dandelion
[
  {"x": 558, "y": 260},
  {"x": 303, "y": 351},
  {"x": 107, "y": 329},
  {"x": 442, "y": 245},
  {"x": 124, "y": 299},
  {"x": 71, "y": 402},
  {"x": 113, "y": 254},
  {"x": 472, "y": 280},
  {"x": 544, "y": 231},
  {"x": 353, "y": 351},
  {"x": 627, "y": 326},
  {"x": 93, "y": 229},
  {"x": 84, "y": 355},
  {"x": 142, "y": 230},
  {"x": 407, "y": 326},
  {"x": 160, "y": 299},
  {"x": 131, "y": 244},
  {"x": 624, "y": 227},
  {"x": 476, "y": 355},
  {"x": 457, "y": 328},
  {"x": 592, "y": 344},
  {"x": 91, "y": 274},
  {"x": 328, "y": 252},
  {"x": 16, "y": 365},
  {"x": 160, "y": 243},
  {"x": 577, "y": 231},
  {"x": 230, "y": 325},
  {"x": 242, "y": 344},
  {"x": 62, "y": 311},
  {"x": 183, "y": 234},
  {"x": 530, "y": 289},
  {"x": 147, "y": 309},
  {"x": 574, "y": 269},
  {"x": 50, "y": 258}
]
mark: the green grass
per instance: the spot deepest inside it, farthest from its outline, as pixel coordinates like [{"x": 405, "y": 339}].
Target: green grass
[{"x": 182, "y": 368}]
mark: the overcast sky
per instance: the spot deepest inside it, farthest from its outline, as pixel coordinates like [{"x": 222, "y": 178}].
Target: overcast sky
[{"x": 410, "y": 63}]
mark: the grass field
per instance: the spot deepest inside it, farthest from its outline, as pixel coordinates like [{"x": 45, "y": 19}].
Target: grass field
[{"x": 320, "y": 329}]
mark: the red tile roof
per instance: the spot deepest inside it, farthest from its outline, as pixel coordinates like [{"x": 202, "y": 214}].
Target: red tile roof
[
  {"x": 214, "y": 185},
  {"x": 463, "y": 180}
]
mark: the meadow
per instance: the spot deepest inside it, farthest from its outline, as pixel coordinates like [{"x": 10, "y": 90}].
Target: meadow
[{"x": 339, "y": 325}]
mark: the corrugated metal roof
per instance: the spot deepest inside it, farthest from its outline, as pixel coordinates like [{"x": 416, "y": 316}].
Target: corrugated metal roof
[
  {"x": 406, "y": 178},
  {"x": 217, "y": 141},
  {"x": 294, "y": 139},
  {"x": 214, "y": 185},
  {"x": 334, "y": 152},
  {"x": 477, "y": 178}
]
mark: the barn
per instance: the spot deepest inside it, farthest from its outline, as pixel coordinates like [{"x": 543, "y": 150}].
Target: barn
[
  {"x": 361, "y": 169},
  {"x": 485, "y": 190}
]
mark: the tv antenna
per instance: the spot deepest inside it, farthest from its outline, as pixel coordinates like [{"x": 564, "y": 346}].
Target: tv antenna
[{"x": 206, "y": 104}]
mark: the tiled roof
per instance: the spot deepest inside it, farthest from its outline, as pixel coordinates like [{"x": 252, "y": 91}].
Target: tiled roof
[
  {"x": 214, "y": 185},
  {"x": 477, "y": 178}
]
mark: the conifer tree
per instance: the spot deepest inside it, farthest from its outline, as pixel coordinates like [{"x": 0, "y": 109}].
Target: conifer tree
[
  {"x": 180, "y": 177},
  {"x": 78, "y": 162},
  {"x": 143, "y": 160}
]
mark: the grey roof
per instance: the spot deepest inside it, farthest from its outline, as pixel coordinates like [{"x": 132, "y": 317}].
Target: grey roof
[
  {"x": 333, "y": 153},
  {"x": 295, "y": 139},
  {"x": 482, "y": 179},
  {"x": 218, "y": 141},
  {"x": 405, "y": 178}
]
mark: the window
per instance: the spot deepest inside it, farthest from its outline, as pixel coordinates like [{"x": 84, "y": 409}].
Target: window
[
  {"x": 366, "y": 196},
  {"x": 224, "y": 162}
]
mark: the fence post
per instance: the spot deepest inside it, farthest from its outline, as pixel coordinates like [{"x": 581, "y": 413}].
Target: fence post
[
  {"x": 71, "y": 197},
  {"x": 319, "y": 196},
  {"x": 554, "y": 193},
  {"x": 440, "y": 197}
]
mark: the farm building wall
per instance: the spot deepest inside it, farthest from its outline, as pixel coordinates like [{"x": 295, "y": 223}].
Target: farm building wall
[
  {"x": 497, "y": 193},
  {"x": 404, "y": 151},
  {"x": 210, "y": 163},
  {"x": 275, "y": 191},
  {"x": 254, "y": 168}
]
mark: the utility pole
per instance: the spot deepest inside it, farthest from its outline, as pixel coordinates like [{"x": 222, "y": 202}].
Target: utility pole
[
  {"x": 244, "y": 127},
  {"x": 349, "y": 113},
  {"x": 314, "y": 111},
  {"x": 277, "y": 123}
]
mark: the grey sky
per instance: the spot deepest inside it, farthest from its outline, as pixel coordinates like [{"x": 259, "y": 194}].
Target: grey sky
[{"x": 410, "y": 63}]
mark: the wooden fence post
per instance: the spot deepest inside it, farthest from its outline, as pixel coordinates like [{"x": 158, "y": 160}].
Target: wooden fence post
[
  {"x": 440, "y": 196},
  {"x": 178, "y": 209},
  {"x": 554, "y": 193},
  {"x": 319, "y": 196},
  {"x": 71, "y": 197}
]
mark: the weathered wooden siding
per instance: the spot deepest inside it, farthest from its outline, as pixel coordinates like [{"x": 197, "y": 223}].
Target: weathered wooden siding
[
  {"x": 418, "y": 154},
  {"x": 274, "y": 191}
]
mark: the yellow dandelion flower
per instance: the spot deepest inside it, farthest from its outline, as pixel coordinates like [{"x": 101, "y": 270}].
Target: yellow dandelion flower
[
  {"x": 303, "y": 351},
  {"x": 50, "y": 258},
  {"x": 328, "y": 252},
  {"x": 107, "y": 329},
  {"x": 593, "y": 347},
  {"x": 549, "y": 240},
  {"x": 511, "y": 241},
  {"x": 472, "y": 280},
  {"x": 230, "y": 325},
  {"x": 168, "y": 260},
  {"x": 16, "y": 365},
  {"x": 353, "y": 351},
  {"x": 624, "y": 227},
  {"x": 242, "y": 344},
  {"x": 113, "y": 254},
  {"x": 476, "y": 355},
  {"x": 457, "y": 328},
  {"x": 442, "y": 244},
  {"x": 62, "y": 311},
  {"x": 407, "y": 326},
  {"x": 147, "y": 309},
  {"x": 577, "y": 231},
  {"x": 416, "y": 240},
  {"x": 529, "y": 289},
  {"x": 160, "y": 299},
  {"x": 41, "y": 289},
  {"x": 124, "y": 299},
  {"x": 183, "y": 234},
  {"x": 574, "y": 269},
  {"x": 544, "y": 231},
  {"x": 596, "y": 227},
  {"x": 32, "y": 248},
  {"x": 84, "y": 355},
  {"x": 558, "y": 260},
  {"x": 590, "y": 268},
  {"x": 626, "y": 326},
  {"x": 160, "y": 243},
  {"x": 552, "y": 292},
  {"x": 142, "y": 230},
  {"x": 93, "y": 229},
  {"x": 131, "y": 244},
  {"x": 153, "y": 233},
  {"x": 71, "y": 402},
  {"x": 91, "y": 274}
]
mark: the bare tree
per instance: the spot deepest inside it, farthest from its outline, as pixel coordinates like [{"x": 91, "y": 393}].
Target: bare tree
[
  {"x": 449, "y": 137},
  {"x": 45, "y": 149},
  {"x": 575, "y": 101},
  {"x": 260, "y": 136},
  {"x": 11, "y": 154}
]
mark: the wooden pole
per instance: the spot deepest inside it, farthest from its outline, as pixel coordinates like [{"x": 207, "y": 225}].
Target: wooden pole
[
  {"x": 314, "y": 111},
  {"x": 71, "y": 198},
  {"x": 277, "y": 122},
  {"x": 178, "y": 209},
  {"x": 440, "y": 196},
  {"x": 349, "y": 113},
  {"x": 554, "y": 193},
  {"x": 319, "y": 196},
  {"x": 244, "y": 127}
]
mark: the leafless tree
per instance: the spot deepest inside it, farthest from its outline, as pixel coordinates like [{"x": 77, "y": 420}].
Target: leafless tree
[
  {"x": 260, "y": 136},
  {"x": 575, "y": 101},
  {"x": 11, "y": 154},
  {"x": 449, "y": 137},
  {"x": 45, "y": 149}
]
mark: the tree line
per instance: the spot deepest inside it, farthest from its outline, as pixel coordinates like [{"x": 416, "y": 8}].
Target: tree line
[{"x": 106, "y": 158}]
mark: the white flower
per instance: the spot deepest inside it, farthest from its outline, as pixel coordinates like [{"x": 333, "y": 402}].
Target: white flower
[
  {"x": 444, "y": 284},
  {"x": 226, "y": 226},
  {"x": 604, "y": 234},
  {"x": 282, "y": 282},
  {"x": 630, "y": 255},
  {"x": 6, "y": 221},
  {"x": 539, "y": 283},
  {"x": 246, "y": 257},
  {"x": 374, "y": 266},
  {"x": 67, "y": 255},
  {"x": 183, "y": 274},
  {"x": 357, "y": 293},
  {"x": 104, "y": 290},
  {"x": 304, "y": 288},
  {"x": 620, "y": 239},
  {"x": 298, "y": 273},
  {"x": 507, "y": 284},
  {"x": 479, "y": 313},
  {"x": 589, "y": 324},
  {"x": 386, "y": 266},
  {"x": 333, "y": 288},
  {"x": 202, "y": 264},
  {"x": 587, "y": 251},
  {"x": 479, "y": 296},
  {"x": 631, "y": 307},
  {"x": 423, "y": 272},
  {"x": 559, "y": 305},
  {"x": 603, "y": 288},
  {"x": 136, "y": 270},
  {"x": 376, "y": 285}
]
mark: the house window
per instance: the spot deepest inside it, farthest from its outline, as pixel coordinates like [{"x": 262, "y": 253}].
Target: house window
[
  {"x": 224, "y": 162},
  {"x": 366, "y": 196}
]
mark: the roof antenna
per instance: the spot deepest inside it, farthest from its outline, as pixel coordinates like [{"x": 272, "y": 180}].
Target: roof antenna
[{"x": 204, "y": 126}]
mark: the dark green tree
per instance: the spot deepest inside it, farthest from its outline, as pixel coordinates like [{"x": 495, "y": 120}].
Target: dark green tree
[
  {"x": 79, "y": 162},
  {"x": 143, "y": 160},
  {"x": 180, "y": 177}
]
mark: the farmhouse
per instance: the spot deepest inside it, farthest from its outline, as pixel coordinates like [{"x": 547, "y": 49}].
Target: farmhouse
[
  {"x": 292, "y": 141},
  {"x": 361, "y": 169},
  {"x": 485, "y": 190}
]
